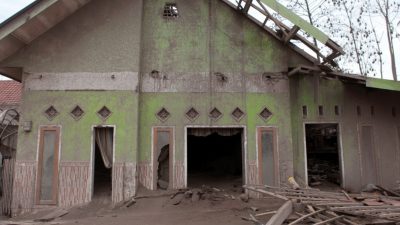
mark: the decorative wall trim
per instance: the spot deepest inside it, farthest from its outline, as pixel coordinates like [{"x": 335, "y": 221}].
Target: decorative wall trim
[
  {"x": 74, "y": 183},
  {"x": 146, "y": 174},
  {"x": 199, "y": 82},
  {"x": 113, "y": 81},
  {"x": 24, "y": 187},
  {"x": 252, "y": 172},
  {"x": 117, "y": 183},
  {"x": 130, "y": 183},
  {"x": 179, "y": 175}
]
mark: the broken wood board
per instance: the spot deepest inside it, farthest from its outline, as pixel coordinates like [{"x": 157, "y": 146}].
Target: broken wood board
[{"x": 282, "y": 214}]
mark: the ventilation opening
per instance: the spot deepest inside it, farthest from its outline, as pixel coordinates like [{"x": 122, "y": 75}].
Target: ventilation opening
[
  {"x": 215, "y": 157},
  {"x": 103, "y": 162},
  {"x": 320, "y": 110},
  {"x": 323, "y": 161},
  {"x": 337, "y": 110},
  {"x": 305, "y": 111},
  {"x": 171, "y": 11}
]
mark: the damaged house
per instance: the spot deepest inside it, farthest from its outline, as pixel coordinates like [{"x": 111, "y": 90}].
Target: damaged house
[
  {"x": 10, "y": 96},
  {"x": 123, "y": 93}
]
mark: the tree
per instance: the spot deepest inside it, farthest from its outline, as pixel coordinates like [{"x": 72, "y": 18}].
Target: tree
[{"x": 389, "y": 11}]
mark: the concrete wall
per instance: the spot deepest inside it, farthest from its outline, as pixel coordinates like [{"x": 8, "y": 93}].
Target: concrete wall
[
  {"x": 314, "y": 91},
  {"x": 90, "y": 59},
  {"x": 102, "y": 36},
  {"x": 208, "y": 38}
]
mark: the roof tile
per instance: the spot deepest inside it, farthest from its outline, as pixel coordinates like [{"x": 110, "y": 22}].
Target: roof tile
[{"x": 10, "y": 92}]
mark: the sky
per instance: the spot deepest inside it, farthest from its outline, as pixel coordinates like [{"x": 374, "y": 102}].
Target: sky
[{"x": 10, "y": 7}]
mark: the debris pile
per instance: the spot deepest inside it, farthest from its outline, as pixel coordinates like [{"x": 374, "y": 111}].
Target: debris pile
[
  {"x": 312, "y": 206},
  {"x": 323, "y": 170},
  {"x": 203, "y": 193}
]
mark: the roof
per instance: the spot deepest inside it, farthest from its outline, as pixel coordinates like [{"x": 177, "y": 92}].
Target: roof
[
  {"x": 290, "y": 29},
  {"x": 383, "y": 84},
  {"x": 10, "y": 92}
]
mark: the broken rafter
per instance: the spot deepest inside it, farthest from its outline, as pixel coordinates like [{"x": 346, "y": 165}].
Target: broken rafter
[
  {"x": 247, "y": 6},
  {"x": 286, "y": 29},
  {"x": 266, "y": 13},
  {"x": 292, "y": 33}
]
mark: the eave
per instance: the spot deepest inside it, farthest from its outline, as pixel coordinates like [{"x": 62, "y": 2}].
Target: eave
[{"x": 31, "y": 22}]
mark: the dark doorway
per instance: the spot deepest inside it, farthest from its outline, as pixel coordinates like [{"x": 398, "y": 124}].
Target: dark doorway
[
  {"x": 103, "y": 161},
  {"x": 323, "y": 156},
  {"x": 214, "y": 157}
]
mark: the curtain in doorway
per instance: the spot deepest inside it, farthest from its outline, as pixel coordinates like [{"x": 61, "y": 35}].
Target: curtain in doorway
[
  {"x": 203, "y": 132},
  {"x": 104, "y": 140}
]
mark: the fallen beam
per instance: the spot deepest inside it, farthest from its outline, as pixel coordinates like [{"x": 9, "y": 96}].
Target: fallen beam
[
  {"x": 306, "y": 216},
  {"x": 265, "y": 192},
  {"x": 282, "y": 214}
]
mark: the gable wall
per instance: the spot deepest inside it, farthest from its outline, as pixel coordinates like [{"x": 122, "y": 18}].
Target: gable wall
[{"x": 208, "y": 38}]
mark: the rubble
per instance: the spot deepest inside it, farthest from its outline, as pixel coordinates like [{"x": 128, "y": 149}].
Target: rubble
[
  {"x": 312, "y": 206},
  {"x": 322, "y": 171},
  {"x": 204, "y": 193}
]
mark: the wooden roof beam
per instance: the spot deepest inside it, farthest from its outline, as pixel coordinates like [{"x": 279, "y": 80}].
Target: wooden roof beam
[
  {"x": 247, "y": 6},
  {"x": 292, "y": 33},
  {"x": 14, "y": 73}
]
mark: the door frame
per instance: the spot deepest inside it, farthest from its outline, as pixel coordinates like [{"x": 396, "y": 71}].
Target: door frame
[
  {"x": 154, "y": 158},
  {"x": 92, "y": 157},
  {"x": 340, "y": 150},
  {"x": 244, "y": 147},
  {"x": 56, "y": 169},
  {"x": 274, "y": 129}
]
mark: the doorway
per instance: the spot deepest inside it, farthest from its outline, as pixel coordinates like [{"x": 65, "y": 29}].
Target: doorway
[
  {"x": 323, "y": 156},
  {"x": 215, "y": 157},
  {"x": 103, "y": 161}
]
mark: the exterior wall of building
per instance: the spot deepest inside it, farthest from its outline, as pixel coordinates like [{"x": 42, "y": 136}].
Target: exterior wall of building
[
  {"x": 210, "y": 39},
  {"x": 124, "y": 55},
  {"x": 313, "y": 92},
  {"x": 90, "y": 59},
  {"x": 76, "y": 138}
]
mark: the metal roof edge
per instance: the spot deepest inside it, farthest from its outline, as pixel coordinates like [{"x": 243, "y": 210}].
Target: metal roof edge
[{"x": 390, "y": 85}]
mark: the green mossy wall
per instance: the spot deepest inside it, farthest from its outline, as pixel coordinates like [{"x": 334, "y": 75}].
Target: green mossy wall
[
  {"x": 178, "y": 104},
  {"x": 76, "y": 136}
]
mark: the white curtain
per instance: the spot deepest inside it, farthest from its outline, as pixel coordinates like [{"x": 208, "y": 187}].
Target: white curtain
[{"x": 104, "y": 140}]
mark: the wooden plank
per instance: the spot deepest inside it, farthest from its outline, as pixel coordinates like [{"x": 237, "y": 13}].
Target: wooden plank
[
  {"x": 282, "y": 214},
  {"x": 266, "y": 213},
  {"x": 317, "y": 195},
  {"x": 364, "y": 207},
  {"x": 329, "y": 220},
  {"x": 388, "y": 191},
  {"x": 265, "y": 192},
  {"x": 306, "y": 216},
  {"x": 312, "y": 219},
  {"x": 339, "y": 204},
  {"x": 347, "y": 221}
]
